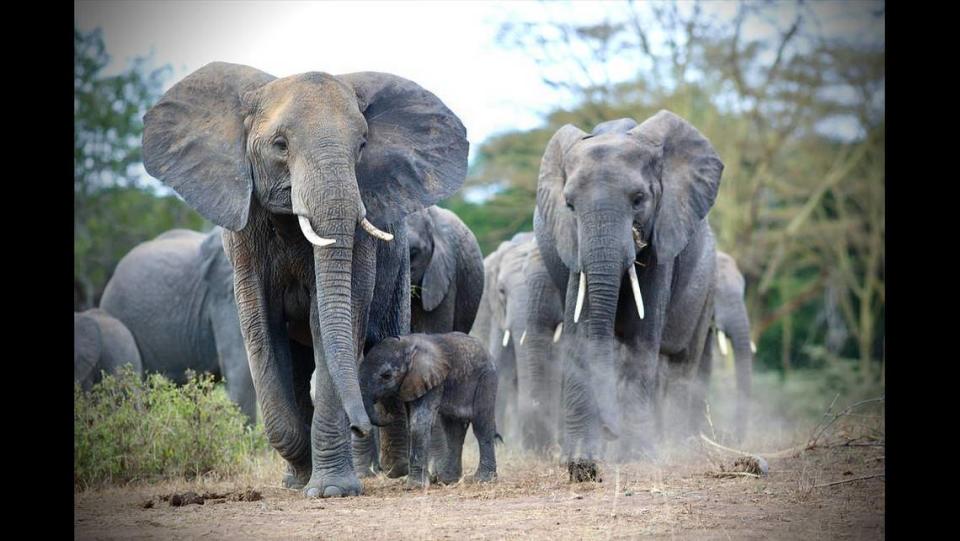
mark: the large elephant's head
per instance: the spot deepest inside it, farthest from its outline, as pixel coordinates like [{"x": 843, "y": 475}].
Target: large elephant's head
[
  {"x": 339, "y": 152},
  {"x": 510, "y": 288},
  {"x": 605, "y": 196}
]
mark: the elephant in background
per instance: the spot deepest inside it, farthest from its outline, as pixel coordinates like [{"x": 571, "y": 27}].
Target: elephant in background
[
  {"x": 499, "y": 323},
  {"x": 730, "y": 314},
  {"x": 621, "y": 223},
  {"x": 101, "y": 344},
  {"x": 312, "y": 176},
  {"x": 176, "y": 295}
]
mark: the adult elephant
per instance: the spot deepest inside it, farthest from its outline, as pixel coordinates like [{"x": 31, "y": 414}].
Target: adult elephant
[
  {"x": 101, "y": 344},
  {"x": 175, "y": 294},
  {"x": 730, "y": 313},
  {"x": 446, "y": 276},
  {"x": 312, "y": 175},
  {"x": 621, "y": 223},
  {"x": 499, "y": 323}
]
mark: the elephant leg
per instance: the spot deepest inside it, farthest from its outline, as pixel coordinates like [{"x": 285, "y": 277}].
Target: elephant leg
[
  {"x": 423, "y": 412},
  {"x": 265, "y": 338},
  {"x": 366, "y": 459},
  {"x": 637, "y": 395},
  {"x": 394, "y": 439},
  {"x": 438, "y": 448},
  {"x": 484, "y": 427},
  {"x": 233, "y": 361},
  {"x": 455, "y": 431}
]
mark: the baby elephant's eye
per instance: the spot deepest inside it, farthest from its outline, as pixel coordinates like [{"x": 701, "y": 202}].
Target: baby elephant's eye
[{"x": 385, "y": 375}]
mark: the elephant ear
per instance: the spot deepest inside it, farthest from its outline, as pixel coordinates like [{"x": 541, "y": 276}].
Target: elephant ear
[
  {"x": 428, "y": 367},
  {"x": 557, "y": 226},
  {"x": 443, "y": 264},
  {"x": 620, "y": 125},
  {"x": 86, "y": 346},
  {"x": 194, "y": 141},
  {"x": 690, "y": 179},
  {"x": 416, "y": 152}
]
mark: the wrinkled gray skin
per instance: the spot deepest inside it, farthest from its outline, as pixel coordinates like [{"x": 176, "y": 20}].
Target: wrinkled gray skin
[
  {"x": 175, "y": 294},
  {"x": 629, "y": 195},
  {"x": 730, "y": 312},
  {"x": 504, "y": 295},
  {"x": 447, "y": 378},
  {"x": 310, "y": 174},
  {"x": 446, "y": 275},
  {"x": 101, "y": 344}
]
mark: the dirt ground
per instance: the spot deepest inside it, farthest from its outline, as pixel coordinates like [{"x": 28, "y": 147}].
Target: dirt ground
[{"x": 678, "y": 497}]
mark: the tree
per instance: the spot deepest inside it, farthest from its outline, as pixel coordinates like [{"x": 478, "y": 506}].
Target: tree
[{"x": 114, "y": 207}]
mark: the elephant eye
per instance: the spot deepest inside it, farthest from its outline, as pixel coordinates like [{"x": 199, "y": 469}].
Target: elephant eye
[
  {"x": 570, "y": 206},
  {"x": 385, "y": 375},
  {"x": 280, "y": 143},
  {"x": 638, "y": 199}
]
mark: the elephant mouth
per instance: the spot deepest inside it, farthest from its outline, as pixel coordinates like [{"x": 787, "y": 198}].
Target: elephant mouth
[{"x": 638, "y": 242}]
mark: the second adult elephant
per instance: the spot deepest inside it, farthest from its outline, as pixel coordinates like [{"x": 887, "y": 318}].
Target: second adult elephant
[
  {"x": 175, "y": 294},
  {"x": 621, "y": 223},
  {"x": 730, "y": 313}
]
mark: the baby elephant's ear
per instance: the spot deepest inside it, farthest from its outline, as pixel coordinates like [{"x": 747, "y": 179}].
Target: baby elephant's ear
[{"x": 428, "y": 368}]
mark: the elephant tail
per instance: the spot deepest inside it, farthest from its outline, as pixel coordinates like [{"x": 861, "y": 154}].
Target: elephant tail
[{"x": 497, "y": 436}]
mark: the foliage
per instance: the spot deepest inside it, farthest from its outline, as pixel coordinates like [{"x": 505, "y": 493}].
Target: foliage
[
  {"x": 128, "y": 429},
  {"x": 114, "y": 207},
  {"x": 800, "y": 208}
]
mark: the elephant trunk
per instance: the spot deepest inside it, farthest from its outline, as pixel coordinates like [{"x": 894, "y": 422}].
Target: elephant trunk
[
  {"x": 603, "y": 262},
  {"x": 331, "y": 207}
]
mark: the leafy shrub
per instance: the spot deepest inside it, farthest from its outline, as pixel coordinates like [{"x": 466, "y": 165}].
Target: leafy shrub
[{"x": 127, "y": 428}]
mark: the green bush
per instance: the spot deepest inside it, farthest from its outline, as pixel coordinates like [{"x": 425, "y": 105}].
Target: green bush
[{"x": 127, "y": 428}]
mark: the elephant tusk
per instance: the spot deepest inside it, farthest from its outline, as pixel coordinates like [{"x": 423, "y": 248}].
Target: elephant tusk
[
  {"x": 523, "y": 336},
  {"x": 506, "y": 338},
  {"x": 374, "y": 232},
  {"x": 635, "y": 284},
  {"x": 314, "y": 238},
  {"x": 580, "y": 294},
  {"x": 722, "y": 341},
  {"x": 557, "y": 332},
  {"x": 753, "y": 347}
]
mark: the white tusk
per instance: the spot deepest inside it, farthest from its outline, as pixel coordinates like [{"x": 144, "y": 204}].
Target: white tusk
[
  {"x": 580, "y": 294},
  {"x": 753, "y": 347},
  {"x": 506, "y": 337},
  {"x": 635, "y": 284},
  {"x": 374, "y": 232},
  {"x": 722, "y": 341},
  {"x": 523, "y": 336},
  {"x": 557, "y": 332},
  {"x": 311, "y": 235}
]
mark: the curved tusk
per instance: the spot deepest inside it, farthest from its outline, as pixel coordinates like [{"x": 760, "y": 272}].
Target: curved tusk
[
  {"x": 722, "y": 341},
  {"x": 523, "y": 336},
  {"x": 314, "y": 238},
  {"x": 635, "y": 284},
  {"x": 374, "y": 232},
  {"x": 753, "y": 347},
  {"x": 557, "y": 332},
  {"x": 506, "y": 338},
  {"x": 581, "y": 291}
]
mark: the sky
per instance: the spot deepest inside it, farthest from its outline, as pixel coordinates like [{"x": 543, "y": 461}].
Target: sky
[{"x": 448, "y": 47}]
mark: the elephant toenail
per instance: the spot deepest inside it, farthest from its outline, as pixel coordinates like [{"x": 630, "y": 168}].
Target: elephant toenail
[{"x": 313, "y": 492}]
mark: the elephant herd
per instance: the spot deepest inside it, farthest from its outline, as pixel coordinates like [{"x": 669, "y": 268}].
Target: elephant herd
[{"x": 334, "y": 296}]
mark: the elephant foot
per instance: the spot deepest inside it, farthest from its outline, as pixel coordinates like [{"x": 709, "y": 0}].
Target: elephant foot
[
  {"x": 446, "y": 479},
  {"x": 399, "y": 469},
  {"x": 584, "y": 470},
  {"x": 366, "y": 472},
  {"x": 415, "y": 484},
  {"x": 484, "y": 476},
  {"x": 296, "y": 478},
  {"x": 333, "y": 486}
]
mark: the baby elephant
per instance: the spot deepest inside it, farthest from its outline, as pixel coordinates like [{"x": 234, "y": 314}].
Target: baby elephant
[{"x": 448, "y": 374}]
